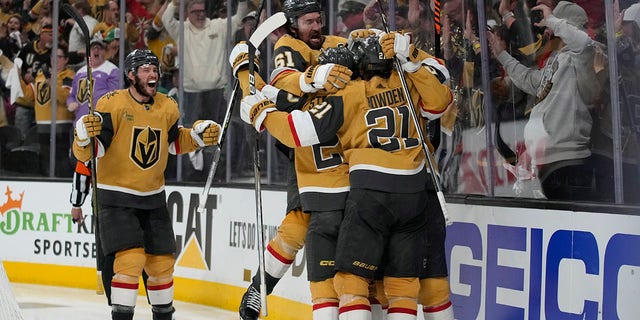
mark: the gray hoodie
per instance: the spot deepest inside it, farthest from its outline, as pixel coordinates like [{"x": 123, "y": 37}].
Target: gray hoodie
[{"x": 566, "y": 88}]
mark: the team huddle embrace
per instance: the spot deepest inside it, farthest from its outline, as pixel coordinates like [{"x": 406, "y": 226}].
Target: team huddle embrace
[{"x": 359, "y": 199}]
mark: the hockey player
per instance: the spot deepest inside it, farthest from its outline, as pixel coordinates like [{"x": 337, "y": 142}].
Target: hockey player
[
  {"x": 295, "y": 57},
  {"x": 134, "y": 130},
  {"x": 387, "y": 175},
  {"x": 80, "y": 185},
  {"x": 434, "y": 285}
]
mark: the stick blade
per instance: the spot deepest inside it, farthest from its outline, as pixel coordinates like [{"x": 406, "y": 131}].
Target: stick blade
[{"x": 264, "y": 29}]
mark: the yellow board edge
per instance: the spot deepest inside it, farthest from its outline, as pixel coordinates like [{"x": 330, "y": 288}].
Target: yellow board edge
[{"x": 213, "y": 294}]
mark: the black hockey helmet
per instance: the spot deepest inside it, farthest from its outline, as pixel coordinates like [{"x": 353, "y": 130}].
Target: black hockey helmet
[
  {"x": 370, "y": 58},
  {"x": 295, "y": 8},
  {"x": 137, "y": 58},
  {"x": 339, "y": 55}
]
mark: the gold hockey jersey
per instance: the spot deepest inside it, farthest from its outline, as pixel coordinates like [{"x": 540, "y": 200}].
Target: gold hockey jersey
[
  {"x": 373, "y": 123},
  {"x": 134, "y": 147},
  {"x": 42, "y": 94},
  {"x": 322, "y": 174},
  {"x": 292, "y": 56}
]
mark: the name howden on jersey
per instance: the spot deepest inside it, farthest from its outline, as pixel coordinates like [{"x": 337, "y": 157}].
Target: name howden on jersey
[{"x": 387, "y": 98}]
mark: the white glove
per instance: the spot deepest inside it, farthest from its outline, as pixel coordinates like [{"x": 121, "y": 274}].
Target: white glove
[
  {"x": 254, "y": 109},
  {"x": 401, "y": 45},
  {"x": 330, "y": 77},
  {"x": 88, "y": 126},
  {"x": 270, "y": 92},
  {"x": 361, "y": 34},
  {"x": 239, "y": 57},
  {"x": 205, "y": 132}
]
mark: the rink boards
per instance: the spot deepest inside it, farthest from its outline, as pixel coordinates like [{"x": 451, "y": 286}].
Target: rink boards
[{"x": 505, "y": 263}]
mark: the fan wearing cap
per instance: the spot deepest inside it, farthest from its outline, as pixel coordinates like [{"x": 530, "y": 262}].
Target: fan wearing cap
[
  {"x": 112, "y": 42},
  {"x": 248, "y": 23},
  {"x": 41, "y": 91},
  {"x": 134, "y": 131},
  {"x": 631, "y": 28},
  {"x": 558, "y": 133},
  {"x": 105, "y": 76},
  {"x": 34, "y": 55}
]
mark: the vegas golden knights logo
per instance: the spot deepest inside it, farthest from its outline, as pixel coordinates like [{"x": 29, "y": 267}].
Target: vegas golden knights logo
[
  {"x": 145, "y": 148},
  {"x": 168, "y": 58},
  {"x": 82, "y": 95},
  {"x": 43, "y": 93}
]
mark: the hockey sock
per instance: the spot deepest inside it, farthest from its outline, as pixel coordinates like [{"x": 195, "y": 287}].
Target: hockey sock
[
  {"x": 378, "y": 300},
  {"x": 403, "y": 295},
  {"x": 434, "y": 297},
  {"x": 324, "y": 299},
  {"x": 353, "y": 292},
  {"x": 443, "y": 312}
]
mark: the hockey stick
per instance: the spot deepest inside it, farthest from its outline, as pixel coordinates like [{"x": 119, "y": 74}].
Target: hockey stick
[
  {"x": 254, "y": 42},
  {"x": 425, "y": 147},
  {"x": 71, "y": 11},
  {"x": 257, "y": 37},
  {"x": 437, "y": 28}
]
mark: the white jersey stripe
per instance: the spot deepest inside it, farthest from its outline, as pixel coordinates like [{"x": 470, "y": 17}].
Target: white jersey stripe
[
  {"x": 398, "y": 172},
  {"x": 303, "y": 127},
  {"x": 129, "y": 191},
  {"x": 324, "y": 189}
]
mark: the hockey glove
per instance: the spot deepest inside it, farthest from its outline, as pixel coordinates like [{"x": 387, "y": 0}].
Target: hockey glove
[
  {"x": 205, "y": 132},
  {"x": 362, "y": 34},
  {"x": 88, "y": 126},
  {"x": 398, "y": 44},
  {"x": 239, "y": 57},
  {"x": 330, "y": 76},
  {"x": 254, "y": 109}
]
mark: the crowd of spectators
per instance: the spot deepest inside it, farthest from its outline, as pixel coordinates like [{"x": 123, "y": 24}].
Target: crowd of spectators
[
  {"x": 26, "y": 41},
  {"x": 450, "y": 29},
  {"x": 560, "y": 143}
]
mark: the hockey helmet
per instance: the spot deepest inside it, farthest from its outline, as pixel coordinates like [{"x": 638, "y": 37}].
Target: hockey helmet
[
  {"x": 293, "y": 9},
  {"x": 370, "y": 58},
  {"x": 339, "y": 55},
  {"x": 137, "y": 58}
]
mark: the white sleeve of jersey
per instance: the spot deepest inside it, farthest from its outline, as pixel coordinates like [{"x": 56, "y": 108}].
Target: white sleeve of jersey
[{"x": 303, "y": 128}]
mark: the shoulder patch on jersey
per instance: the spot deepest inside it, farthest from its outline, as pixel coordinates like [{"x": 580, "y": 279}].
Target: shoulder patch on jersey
[
  {"x": 172, "y": 99},
  {"x": 108, "y": 95},
  {"x": 126, "y": 116}
]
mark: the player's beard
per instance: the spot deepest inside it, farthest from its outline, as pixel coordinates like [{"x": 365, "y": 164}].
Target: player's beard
[
  {"x": 144, "y": 89},
  {"x": 314, "y": 40}
]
